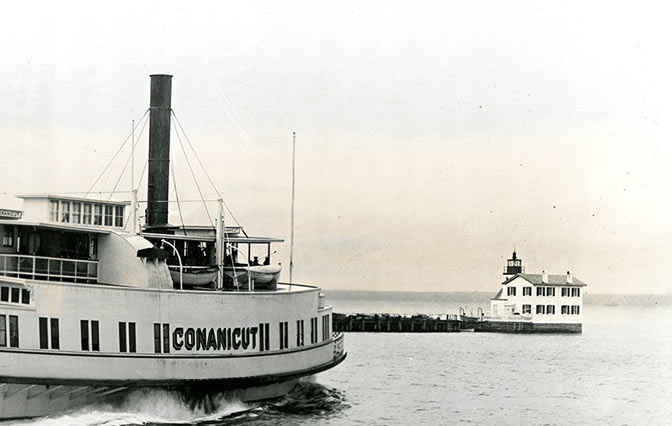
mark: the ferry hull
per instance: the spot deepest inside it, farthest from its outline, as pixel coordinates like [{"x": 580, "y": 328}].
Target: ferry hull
[{"x": 24, "y": 400}]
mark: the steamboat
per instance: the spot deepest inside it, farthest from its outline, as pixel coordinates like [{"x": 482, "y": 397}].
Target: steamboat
[{"x": 93, "y": 308}]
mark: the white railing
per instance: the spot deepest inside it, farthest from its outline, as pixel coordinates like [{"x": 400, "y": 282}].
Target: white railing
[
  {"x": 339, "y": 348},
  {"x": 509, "y": 317},
  {"x": 48, "y": 268}
]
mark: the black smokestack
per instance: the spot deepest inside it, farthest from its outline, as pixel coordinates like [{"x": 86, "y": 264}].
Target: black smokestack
[{"x": 159, "y": 151}]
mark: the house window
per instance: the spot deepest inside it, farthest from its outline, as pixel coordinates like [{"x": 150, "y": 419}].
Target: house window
[
  {"x": 53, "y": 210},
  {"x": 576, "y": 292},
  {"x": 527, "y": 309},
  {"x": 119, "y": 216},
  {"x": 527, "y": 291},
  {"x": 25, "y": 296},
  {"x": 299, "y": 333},
  {"x": 65, "y": 206},
  {"x": 550, "y": 309},
  {"x": 511, "y": 291},
  {"x": 565, "y": 292},
  {"x": 86, "y": 216},
  {"x": 550, "y": 291},
  {"x": 575, "y": 310},
  {"x": 97, "y": 214},
  {"x": 540, "y": 309},
  {"x": 76, "y": 212},
  {"x": 541, "y": 291},
  {"x": 109, "y": 214},
  {"x": 4, "y": 294},
  {"x": 564, "y": 309}
]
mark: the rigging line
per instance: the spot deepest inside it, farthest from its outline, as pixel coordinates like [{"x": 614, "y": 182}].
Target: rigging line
[
  {"x": 194, "y": 176},
  {"x": 114, "y": 156},
  {"x": 179, "y": 208},
  {"x": 206, "y": 172},
  {"x": 195, "y": 154},
  {"x": 128, "y": 160}
]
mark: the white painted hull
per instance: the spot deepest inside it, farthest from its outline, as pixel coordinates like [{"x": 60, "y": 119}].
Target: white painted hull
[{"x": 253, "y": 364}]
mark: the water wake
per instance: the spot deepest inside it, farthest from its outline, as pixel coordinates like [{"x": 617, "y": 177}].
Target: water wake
[{"x": 146, "y": 406}]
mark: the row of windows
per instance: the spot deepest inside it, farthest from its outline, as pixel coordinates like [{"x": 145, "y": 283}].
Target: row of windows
[
  {"x": 550, "y": 309},
  {"x": 546, "y": 291},
  {"x": 49, "y": 334},
  {"x": 13, "y": 331},
  {"x": 86, "y": 213},
  {"x": 575, "y": 292},
  {"x": 15, "y": 295}
]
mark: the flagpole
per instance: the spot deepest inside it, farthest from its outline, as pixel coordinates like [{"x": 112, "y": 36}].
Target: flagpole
[{"x": 291, "y": 244}]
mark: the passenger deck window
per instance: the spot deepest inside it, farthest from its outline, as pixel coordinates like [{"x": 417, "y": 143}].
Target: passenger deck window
[
  {"x": 65, "y": 205},
  {"x": 76, "y": 212},
  {"x": 13, "y": 331},
  {"x": 53, "y": 210},
  {"x": 109, "y": 214},
  {"x": 3, "y": 331},
  {"x": 86, "y": 216},
  {"x": 119, "y": 216},
  {"x": 90, "y": 341},
  {"x": 98, "y": 214},
  {"x": 15, "y": 294}
]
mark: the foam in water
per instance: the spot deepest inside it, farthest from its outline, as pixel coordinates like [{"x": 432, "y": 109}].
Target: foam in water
[{"x": 142, "y": 407}]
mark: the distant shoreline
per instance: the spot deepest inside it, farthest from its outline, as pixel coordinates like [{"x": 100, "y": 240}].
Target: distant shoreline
[{"x": 481, "y": 296}]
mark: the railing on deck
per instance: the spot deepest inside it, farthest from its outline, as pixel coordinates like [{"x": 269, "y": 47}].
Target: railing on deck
[
  {"x": 339, "y": 348},
  {"x": 48, "y": 268}
]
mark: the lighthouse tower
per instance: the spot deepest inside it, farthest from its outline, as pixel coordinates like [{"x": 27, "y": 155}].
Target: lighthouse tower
[{"x": 514, "y": 266}]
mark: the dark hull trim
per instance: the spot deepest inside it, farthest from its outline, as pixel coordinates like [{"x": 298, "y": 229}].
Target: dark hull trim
[
  {"x": 161, "y": 356},
  {"x": 526, "y": 327},
  {"x": 233, "y": 383}
]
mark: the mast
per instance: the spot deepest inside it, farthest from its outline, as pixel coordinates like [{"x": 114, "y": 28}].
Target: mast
[
  {"x": 219, "y": 244},
  {"x": 291, "y": 238},
  {"x": 134, "y": 193},
  {"x": 159, "y": 152}
]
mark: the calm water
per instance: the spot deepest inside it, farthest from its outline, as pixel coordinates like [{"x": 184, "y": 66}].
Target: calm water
[{"x": 618, "y": 372}]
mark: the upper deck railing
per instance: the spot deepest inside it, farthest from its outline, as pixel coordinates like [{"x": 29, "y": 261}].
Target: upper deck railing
[{"x": 48, "y": 268}]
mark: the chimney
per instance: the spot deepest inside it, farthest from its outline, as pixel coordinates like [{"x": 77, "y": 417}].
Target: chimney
[
  {"x": 544, "y": 277},
  {"x": 159, "y": 151},
  {"x": 569, "y": 278}
]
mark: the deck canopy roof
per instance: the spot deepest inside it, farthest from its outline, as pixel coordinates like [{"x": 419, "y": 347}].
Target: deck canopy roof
[{"x": 242, "y": 240}]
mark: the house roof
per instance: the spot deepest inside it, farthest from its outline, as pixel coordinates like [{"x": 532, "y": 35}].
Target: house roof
[
  {"x": 499, "y": 295},
  {"x": 535, "y": 279}
]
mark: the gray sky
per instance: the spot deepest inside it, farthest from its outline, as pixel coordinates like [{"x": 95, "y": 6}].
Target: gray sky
[{"x": 431, "y": 136}]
